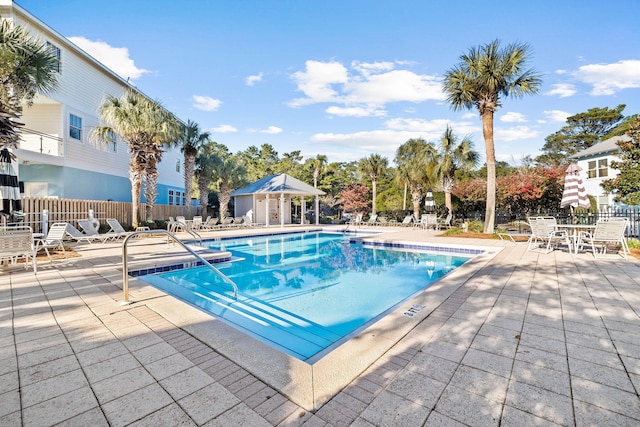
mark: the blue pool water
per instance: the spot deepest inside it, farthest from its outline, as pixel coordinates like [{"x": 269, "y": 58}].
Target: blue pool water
[{"x": 305, "y": 292}]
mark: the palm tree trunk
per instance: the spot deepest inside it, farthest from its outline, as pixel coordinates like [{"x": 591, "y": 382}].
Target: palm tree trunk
[
  {"x": 416, "y": 196},
  {"x": 487, "y": 129},
  {"x": 151, "y": 189},
  {"x": 447, "y": 186},
  {"x": 224, "y": 197},
  {"x": 135, "y": 176},
  {"x": 375, "y": 192},
  {"x": 189, "y": 163},
  {"x": 203, "y": 189}
]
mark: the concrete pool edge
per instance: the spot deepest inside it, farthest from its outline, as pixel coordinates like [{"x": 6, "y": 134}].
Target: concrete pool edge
[{"x": 312, "y": 385}]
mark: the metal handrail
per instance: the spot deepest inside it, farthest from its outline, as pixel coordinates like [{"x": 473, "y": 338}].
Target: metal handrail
[{"x": 125, "y": 268}]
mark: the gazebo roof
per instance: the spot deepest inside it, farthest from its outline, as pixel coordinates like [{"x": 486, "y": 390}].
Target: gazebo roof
[{"x": 278, "y": 184}]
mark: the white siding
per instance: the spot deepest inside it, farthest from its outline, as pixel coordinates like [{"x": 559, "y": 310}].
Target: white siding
[{"x": 82, "y": 86}]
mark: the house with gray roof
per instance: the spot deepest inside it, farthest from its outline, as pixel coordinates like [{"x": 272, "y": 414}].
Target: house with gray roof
[{"x": 595, "y": 162}]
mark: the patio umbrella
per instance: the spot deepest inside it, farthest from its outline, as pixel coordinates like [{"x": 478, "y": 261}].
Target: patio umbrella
[
  {"x": 429, "y": 204},
  {"x": 9, "y": 188},
  {"x": 574, "y": 195}
]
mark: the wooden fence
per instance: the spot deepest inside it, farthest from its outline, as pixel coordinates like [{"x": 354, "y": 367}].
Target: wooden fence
[{"x": 69, "y": 210}]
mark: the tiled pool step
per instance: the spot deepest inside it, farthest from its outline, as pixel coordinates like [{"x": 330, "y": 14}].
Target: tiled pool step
[{"x": 285, "y": 330}]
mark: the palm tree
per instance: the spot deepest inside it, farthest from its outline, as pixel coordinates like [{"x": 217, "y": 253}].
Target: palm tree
[
  {"x": 451, "y": 157},
  {"x": 145, "y": 126},
  {"x": 230, "y": 176},
  {"x": 484, "y": 74},
  {"x": 412, "y": 159},
  {"x": 205, "y": 170},
  {"x": 318, "y": 164},
  {"x": 373, "y": 166},
  {"x": 27, "y": 67},
  {"x": 190, "y": 142}
]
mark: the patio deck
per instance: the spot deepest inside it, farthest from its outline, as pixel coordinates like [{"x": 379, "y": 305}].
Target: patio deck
[{"x": 527, "y": 339}]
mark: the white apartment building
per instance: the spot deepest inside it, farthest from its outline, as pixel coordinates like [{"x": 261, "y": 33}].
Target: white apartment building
[
  {"x": 595, "y": 162},
  {"x": 55, "y": 156}
]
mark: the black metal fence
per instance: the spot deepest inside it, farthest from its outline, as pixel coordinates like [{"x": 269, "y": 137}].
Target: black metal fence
[{"x": 564, "y": 216}]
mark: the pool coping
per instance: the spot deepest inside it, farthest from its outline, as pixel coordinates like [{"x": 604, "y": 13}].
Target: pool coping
[{"x": 311, "y": 385}]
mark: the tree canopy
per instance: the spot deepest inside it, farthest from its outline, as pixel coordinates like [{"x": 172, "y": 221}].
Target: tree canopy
[
  {"x": 626, "y": 185},
  {"x": 581, "y": 131}
]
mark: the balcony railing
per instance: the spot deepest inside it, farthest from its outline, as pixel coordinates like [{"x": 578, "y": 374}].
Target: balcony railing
[{"x": 32, "y": 140}]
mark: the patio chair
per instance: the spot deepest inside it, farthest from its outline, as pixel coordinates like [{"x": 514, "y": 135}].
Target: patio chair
[
  {"x": 211, "y": 224},
  {"x": 116, "y": 228},
  {"x": 226, "y": 222},
  {"x": 608, "y": 232},
  {"x": 17, "y": 242},
  {"x": 382, "y": 221},
  {"x": 543, "y": 232},
  {"x": 356, "y": 220},
  {"x": 407, "y": 221},
  {"x": 372, "y": 220},
  {"x": 446, "y": 223},
  {"x": 79, "y": 236},
  {"x": 53, "y": 240},
  {"x": 428, "y": 221},
  {"x": 196, "y": 224}
]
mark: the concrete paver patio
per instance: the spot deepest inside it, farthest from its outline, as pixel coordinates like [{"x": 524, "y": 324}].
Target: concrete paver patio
[{"x": 528, "y": 339}]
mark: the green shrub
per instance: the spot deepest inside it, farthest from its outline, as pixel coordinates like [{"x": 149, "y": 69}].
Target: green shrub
[{"x": 633, "y": 243}]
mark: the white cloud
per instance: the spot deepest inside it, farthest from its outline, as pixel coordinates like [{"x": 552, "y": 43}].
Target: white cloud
[
  {"x": 206, "y": 103},
  {"x": 271, "y": 130},
  {"x": 512, "y": 117},
  {"x": 515, "y": 133},
  {"x": 355, "y": 111},
  {"x": 224, "y": 129},
  {"x": 251, "y": 80},
  {"x": 562, "y": 89},
  {"x": 607, "y": 79},
  {"x": 367, "y": 69},
  {"x": 317, "y": 80},
  {"x": 115, "y": 58},
  {"x": 556, "y": 115},
  {"x": 365, "y": 85}
]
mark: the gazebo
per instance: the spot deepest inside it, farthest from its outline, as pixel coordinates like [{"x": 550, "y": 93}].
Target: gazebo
[{"x": 268, "y": 201}]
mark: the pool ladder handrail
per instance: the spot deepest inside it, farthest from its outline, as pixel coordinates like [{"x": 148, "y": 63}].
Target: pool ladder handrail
[{"x": 125, "y": 268}]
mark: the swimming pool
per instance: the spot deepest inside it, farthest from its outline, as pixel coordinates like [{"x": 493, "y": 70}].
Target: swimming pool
[{"x": 305, "y": 293}]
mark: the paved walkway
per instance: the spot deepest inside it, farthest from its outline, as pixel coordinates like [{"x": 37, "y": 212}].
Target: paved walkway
[{"x": 529, "y": 339}]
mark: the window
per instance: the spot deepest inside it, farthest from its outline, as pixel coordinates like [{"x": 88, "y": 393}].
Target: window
[
  {"x": 55, "y": 51},
  {"x": 598, "y": 168},
  {"x": 75, "y": 127},
  {"x": 603, "y": 167},
  {"x": 36, "y": 189},
  {"x": 112, "y": 141},
  {"x": 178, "y": 165},
  {"x": 177, "y": 197}
]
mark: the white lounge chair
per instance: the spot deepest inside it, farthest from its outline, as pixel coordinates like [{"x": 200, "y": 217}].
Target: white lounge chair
[
  {"x": 428, "y": 221},
  {"x": 53, "y": 240},
  {"x": 407, "y": 221},
  {"x": 79, "y": 236},
  {"x": 372, "y": 220},
  {"x": 117, "y": 230},
  {"x": 608, "y": 232}
]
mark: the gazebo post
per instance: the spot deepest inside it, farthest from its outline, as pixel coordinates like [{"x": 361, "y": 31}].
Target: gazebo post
[
  {"x": 303, "y": 204},
  {"x": 267, "y": 209},
  {"x": 317, "y": 210},
  {"x": 281, "y": 210}
]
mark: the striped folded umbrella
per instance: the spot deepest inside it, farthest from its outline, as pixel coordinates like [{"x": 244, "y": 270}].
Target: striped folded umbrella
[
  {"x": 574, "y": 194},
  {"x": 9, "y": 188},
  {"x": 429, "y": 203}
]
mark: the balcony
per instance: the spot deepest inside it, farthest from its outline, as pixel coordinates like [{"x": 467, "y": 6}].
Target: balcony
[{"x": 32, "y": 140}]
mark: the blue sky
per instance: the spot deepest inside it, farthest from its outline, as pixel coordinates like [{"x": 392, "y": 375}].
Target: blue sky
[{"x": 349, "y": 78}]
